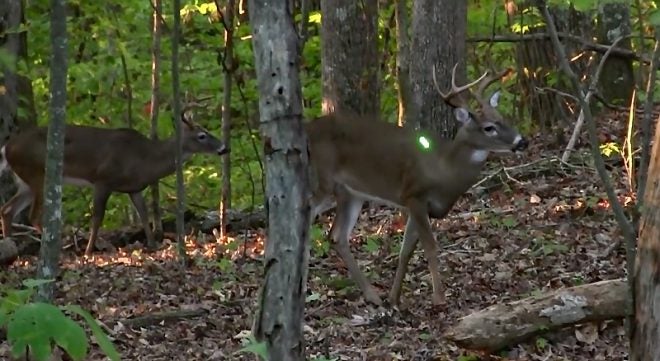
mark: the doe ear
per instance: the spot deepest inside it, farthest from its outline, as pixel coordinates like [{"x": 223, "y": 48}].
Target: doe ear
[
  {"x": 462, "y": 115},
  {"x": 495, "y": 99}
]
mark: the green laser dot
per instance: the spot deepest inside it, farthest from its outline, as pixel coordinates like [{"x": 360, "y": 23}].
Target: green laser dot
[{"x": 424, "y": 142}]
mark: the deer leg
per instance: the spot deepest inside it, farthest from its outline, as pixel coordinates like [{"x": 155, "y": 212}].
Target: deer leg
[
  {"x": 141, "y": 207},
  {"x": 37, "y": 205},
  {"x": 348, "y": 211},
  {"x": 410, "y": 238},
  {"x": 14, "y": 206},
  {"x": 101, "y": 195},
  {"x": 419, "y": 215}
]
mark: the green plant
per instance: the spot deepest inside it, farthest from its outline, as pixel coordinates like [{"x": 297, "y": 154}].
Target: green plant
[{"x": 37, "y": 326}]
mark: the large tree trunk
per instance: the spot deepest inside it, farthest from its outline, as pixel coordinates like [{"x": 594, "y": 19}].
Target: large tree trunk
[
  {"x": 282, "y": 301},
  {"x": 536, "y": 63},
  {"x": 617, "y": 80},
  {"x": 349, "y": 56},
  {"x": 17, "y": 92},
  {"x": 438, "y": 38},
  {"x": 645, "y": 342},
  {"x": 51, "y": 238}
]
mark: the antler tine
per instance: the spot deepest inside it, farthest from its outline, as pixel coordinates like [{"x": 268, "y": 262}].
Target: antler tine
[
  {"x": 455, "y": 89},
  {"x": 479, "y": 94}
]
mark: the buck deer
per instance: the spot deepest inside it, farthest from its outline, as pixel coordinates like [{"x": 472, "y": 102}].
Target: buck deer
[
  {"x": 355, "y": 159},
  {"x": 108, "y": 160}
]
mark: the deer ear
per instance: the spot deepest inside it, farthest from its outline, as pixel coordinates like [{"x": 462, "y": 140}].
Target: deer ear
[
  {"x": 495, "y": 99},
  {"x": 186, "y": 118},
  {"x": 462, "y": 115}
]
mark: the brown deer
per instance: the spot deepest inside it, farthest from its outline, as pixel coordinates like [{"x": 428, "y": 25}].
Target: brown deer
[
  {"x": 108, "y": 160},
  {"x": 359, "y": 158}
]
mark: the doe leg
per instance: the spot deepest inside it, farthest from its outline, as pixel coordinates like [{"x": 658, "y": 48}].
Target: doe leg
[
  {"x": 419, "y": 214},
  {"x": 410, "y": 239},
  {"x": 21, "y": 200},
  {"x": 141, "y": 207},
  {"x": 348, "y": 211},
  {"x": 101, "y": 195}
]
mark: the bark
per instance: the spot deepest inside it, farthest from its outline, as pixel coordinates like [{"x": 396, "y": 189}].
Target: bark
[
  {"x": 16, "y": 101},
  {"x": 277, "y": 59},
  {"x": 225, "y": 198},
  {"x": 51, "y": 239},
  {"x": 403, "y": 60},
  {"x": 349, "y": 56},
  {"x": 645, "y": 338},
  {"x": 154, "y": 111},
  {"x": 431, "y": 18},
  {"x": 176, "y": 109},
  {"x": 618, "y": 79},
  {"x": 510, "y": 323}
]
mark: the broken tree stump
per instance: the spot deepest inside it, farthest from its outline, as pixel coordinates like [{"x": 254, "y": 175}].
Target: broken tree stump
[{"x": 510, "y": 323}]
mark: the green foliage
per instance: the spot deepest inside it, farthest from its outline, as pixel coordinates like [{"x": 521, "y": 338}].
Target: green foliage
[
  {"x": 39, "y": 326},
  {"x": 250, "y": 345},
  {"x": 101, "y": 34},
  {"x": 609, "y": 148},
  {"x": 373, "y": 244},
  {"x": 320, "y": 244}
]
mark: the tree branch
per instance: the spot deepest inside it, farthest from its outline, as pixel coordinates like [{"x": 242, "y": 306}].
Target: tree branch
[{"x": 588, "y": 45}]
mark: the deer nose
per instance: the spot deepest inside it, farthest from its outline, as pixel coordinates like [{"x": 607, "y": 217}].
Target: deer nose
[
  {"x": 223, "y": 149},
  {"x": 520, "y": 144}
]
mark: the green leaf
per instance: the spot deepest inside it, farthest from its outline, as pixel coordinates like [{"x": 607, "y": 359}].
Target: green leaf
[
  {"x": 654, "y": 18},
  {"x": 101, "y": 338},
  {"x": 34, "y": 283},
  {"x": 34, "y": 325}
]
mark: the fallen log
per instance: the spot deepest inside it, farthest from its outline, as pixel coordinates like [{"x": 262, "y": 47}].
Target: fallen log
[
  {"x": 163, "y": 317},
  {"x": 502, "y": 325}
]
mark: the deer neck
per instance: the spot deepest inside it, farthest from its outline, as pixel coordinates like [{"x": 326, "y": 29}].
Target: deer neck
[
  {"x": 463, "y": 155},
  {"x": 161, "y": 158}
]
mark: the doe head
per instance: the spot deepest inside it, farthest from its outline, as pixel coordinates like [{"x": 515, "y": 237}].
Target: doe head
[{"x": 196, "y": 139}]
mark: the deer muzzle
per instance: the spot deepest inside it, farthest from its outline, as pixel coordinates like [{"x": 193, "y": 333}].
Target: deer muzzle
[
  {"x": 519, "y": 144},
  {"x": 223, "y": 149}
]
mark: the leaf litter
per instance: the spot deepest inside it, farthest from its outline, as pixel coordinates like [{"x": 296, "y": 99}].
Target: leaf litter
[{"x": 533, "y": 226}]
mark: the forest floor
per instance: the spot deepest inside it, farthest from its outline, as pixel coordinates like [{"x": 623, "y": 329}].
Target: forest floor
[{"x": 534, "y": 228}]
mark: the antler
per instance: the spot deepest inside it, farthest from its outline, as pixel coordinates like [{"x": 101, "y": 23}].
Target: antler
[
  {"x": 486, "y": 82},
  {"x": 455, "y": 90}
]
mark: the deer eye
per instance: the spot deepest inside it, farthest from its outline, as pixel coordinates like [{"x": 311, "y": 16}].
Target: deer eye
[
  {"x": 489, "y": 128},
  {"x": 201, "y": 136}
]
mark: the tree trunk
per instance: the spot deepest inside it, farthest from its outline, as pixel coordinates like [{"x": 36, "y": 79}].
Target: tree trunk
[
  {"x": 645, "y": 341},
  {"x": 438, "y": 38},
  {"x": 282, "y": 300},
  {"x": 176, "y": 109},
  {"x": 154, "y": 111},
  {"x": 349, "y": 56},
  {"x": 17, "y": 92},
  {"x": 225, "y": 198},
  {"x": 536, "y": 63},
  {"x": 403, "y": 60},
  {"x": 51, "y": 238},
  {"x": 618, "y": 80}
]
